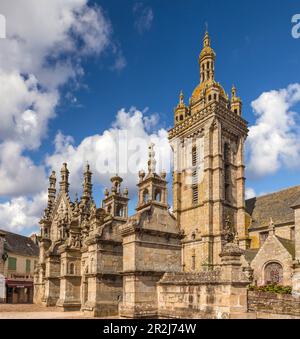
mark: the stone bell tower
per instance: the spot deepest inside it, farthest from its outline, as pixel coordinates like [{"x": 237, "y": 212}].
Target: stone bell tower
[
  {"x": 208, "y": 178},
  {"x": 152, "y": 187},
  {"x": 116, "y": 202}
]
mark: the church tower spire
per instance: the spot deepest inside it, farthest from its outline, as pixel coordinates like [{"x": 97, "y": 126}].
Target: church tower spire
[
  {"x": 208, "y": 178},
  {"x": 207, "y": 60}
]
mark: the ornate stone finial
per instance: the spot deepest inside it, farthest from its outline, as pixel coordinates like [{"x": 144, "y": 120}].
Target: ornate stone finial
[
  {"x": 64, "y": 183},
  {"x": 52, "y": 180},
  {"x": 87, "y": 183},
  {"x": 233, "y": 92},
  {"x": 181, "y": 98},
  {"x": 51, "y": 190},
  {"x": 106, "y": 192},
  {"x": 206, "y": 40},
  {"x": 151, "y": 161},
  {"x": 116, "y": 183},
  {"x": 125, "y": 192},
  {"x": 271, "y": 227},
  {"x": 141, "y": 175},
  {"x": 163, "y": 175}
]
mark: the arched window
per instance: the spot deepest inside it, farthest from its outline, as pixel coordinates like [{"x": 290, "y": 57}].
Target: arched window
[
  {"x": 215, "y": 96},
  {"x": 71, "y": 268},
  {"x": 209, "y": 97},
  {"x": 119, "y": 211},
  {"x": 157, "y": 195},
  {"x": 181, "y": 117},
  {"x": 273, "y": 273},
  {"x": 146, "y": 195}
]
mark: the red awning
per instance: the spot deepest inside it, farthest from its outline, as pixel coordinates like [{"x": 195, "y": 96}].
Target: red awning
[{"x": 19, "y": 283}]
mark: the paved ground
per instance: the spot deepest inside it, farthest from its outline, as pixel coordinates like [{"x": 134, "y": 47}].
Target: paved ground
[{"x": 30, "y": 311}]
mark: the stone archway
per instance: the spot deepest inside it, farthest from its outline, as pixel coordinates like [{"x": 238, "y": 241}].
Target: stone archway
[{"x": 273, "y": 273}]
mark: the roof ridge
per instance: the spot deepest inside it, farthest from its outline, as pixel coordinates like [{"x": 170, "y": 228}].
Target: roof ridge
[
  {"x": 271, "y": 193},
  {"x": 19, "y": 235}
]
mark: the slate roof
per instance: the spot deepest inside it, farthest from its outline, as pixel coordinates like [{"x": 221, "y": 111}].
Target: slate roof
[
  {"x": 289, "y": 245},
  {"x": 250, "y": 254},
  {"x": 19, "y": 244},
  {"x": 277, "y": 206}
]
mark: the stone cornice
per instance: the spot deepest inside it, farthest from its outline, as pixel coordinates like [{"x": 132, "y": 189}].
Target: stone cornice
[{"x": 233, "y": 121}]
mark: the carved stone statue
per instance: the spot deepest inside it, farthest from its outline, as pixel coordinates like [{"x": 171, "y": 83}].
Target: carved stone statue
[{"x": 228, "y": 232}]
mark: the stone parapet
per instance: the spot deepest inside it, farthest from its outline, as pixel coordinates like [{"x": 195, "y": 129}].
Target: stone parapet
[{"x": 274, "y": 304}]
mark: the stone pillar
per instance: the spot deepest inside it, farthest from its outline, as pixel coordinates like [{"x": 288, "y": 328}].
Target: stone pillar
[
  {"x": 296, "y": 264},
  {"x": 52, "y": 281},
  {"x": 70, "y": 280},
  {"x": 235, "y": 281},
  {"x": 244, "y": 240}
]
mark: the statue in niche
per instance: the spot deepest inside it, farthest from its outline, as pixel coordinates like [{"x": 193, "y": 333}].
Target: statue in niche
[
  {"x": 228, "y": 232},
  {"x": 74, "y": 241}
]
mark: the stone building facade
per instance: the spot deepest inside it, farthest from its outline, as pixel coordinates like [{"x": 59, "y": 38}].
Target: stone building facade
[
  {"x": 18, "y": 258},
  {"x": 195, "y": 261}
]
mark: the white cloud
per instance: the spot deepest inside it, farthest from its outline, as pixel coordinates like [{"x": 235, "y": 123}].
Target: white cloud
[
  {"x": 22, "y": 213},
  {"x": 24, "y": 109},
  {"x": 143, "y": 17},
  {"x": 43, "y": 29},
  {"x": 45, "y": 44},
  {"x": 46, "y": 41},
  {"x": 122, "y": 149},
  {"x": 18, "y": 174},
  {"x": 250, "y": 193},
  {"x": 274, "y": 141}
]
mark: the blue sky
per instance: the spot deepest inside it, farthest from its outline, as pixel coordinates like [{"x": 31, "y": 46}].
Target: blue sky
[{"x": 158, "y": 56}]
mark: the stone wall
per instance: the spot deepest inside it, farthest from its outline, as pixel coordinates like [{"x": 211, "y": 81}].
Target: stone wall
[
  {"x": 201, "y": 296},
  {"x": 272, "y": 304},
  {"x": 216, "y": 294}
]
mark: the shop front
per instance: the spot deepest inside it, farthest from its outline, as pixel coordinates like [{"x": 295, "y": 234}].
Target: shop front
[{"x": 19, "y": 291}]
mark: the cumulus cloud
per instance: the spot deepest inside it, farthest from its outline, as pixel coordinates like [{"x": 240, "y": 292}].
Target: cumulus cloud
[
  {"x": 18, "y": 174},
  {"x": 24, "y": 109},
  {"x": 143, "y": 17},
  {"x": 45, "y": 44},
  {"x": 46, "y": 41},
  {"x": 122, "y": 149},
  {"x": 274, "y": 140},
  {"x": 22, "y": 213}
]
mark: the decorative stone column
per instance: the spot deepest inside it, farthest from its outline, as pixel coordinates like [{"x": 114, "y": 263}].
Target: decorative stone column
[{"x": 234, "y": 298}]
